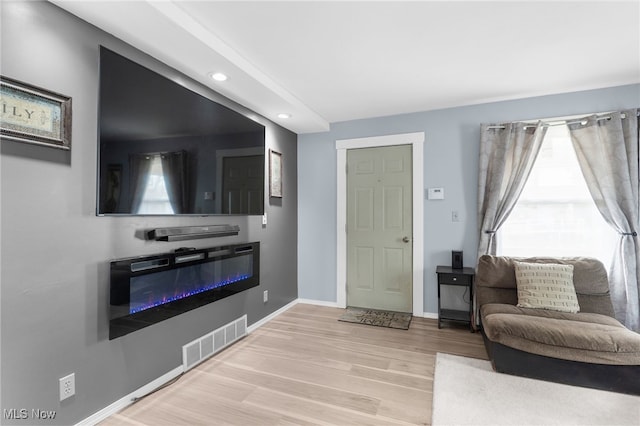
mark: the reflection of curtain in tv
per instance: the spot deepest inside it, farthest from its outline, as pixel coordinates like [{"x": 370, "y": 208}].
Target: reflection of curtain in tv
[
  {"x": 139, "y": 166},
  {"x": 174, "y": 168}
]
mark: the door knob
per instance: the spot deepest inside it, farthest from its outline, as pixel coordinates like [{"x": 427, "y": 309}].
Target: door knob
[{"x": 406, "y": 239}]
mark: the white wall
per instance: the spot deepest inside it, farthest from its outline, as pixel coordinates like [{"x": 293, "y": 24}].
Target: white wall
[{"x": 450, "y": 161}]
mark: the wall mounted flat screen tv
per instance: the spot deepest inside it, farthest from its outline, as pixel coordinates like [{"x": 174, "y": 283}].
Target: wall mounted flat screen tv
[{"x": 167, "y": 150}]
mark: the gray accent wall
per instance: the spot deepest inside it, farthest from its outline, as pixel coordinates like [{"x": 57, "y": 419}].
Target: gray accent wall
[
  {"x": 452, "y": 138},
  {"x": 55, "y": 251}
]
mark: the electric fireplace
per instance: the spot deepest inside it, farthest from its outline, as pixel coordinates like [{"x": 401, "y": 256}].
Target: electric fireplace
[{"x": 149, "y": 289}]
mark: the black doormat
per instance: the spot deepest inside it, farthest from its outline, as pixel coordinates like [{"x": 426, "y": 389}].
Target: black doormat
[{"x": 389, "y": 319}]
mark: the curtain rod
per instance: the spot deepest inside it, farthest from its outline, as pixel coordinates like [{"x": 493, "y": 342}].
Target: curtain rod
[{"x": 562, "y": 122}]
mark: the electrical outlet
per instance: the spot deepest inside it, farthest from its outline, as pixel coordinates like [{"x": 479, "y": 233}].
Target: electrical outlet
[
  {"x": 67, "y": 386},
  {"x": 265, "y": 296}
]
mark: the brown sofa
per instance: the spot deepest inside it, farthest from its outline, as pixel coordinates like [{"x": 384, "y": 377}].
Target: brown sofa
[{"x": 589, "y": 348}]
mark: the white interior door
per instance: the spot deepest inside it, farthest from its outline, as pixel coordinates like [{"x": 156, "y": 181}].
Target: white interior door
[{"x": 379, "y": 228}]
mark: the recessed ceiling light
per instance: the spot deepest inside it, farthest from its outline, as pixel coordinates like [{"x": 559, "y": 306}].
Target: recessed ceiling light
[
  {"x": 284, "y": 115},
  {"x": 218, "y": 76}
]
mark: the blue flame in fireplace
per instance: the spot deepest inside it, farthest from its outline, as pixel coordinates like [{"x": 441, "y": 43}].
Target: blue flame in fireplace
[
  {"x": 156, "y": 289},
  {"x": 168, "y": 299}
]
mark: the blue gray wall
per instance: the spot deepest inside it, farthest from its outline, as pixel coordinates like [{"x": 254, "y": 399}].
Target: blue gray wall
[
  {"x": 55, "y": 252},
  {"x": 450, "y": 161}
]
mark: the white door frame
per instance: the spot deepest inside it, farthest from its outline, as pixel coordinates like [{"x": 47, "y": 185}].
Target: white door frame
[{"x": 416, "y": 140}]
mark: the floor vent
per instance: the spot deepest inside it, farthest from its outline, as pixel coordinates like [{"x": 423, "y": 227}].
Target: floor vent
[{"x": 193, "y": 353}]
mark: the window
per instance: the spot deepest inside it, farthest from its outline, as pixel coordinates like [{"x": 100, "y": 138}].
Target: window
[
  {"x": 555, "y": 215},
  {"x": 156, "y": 198}
]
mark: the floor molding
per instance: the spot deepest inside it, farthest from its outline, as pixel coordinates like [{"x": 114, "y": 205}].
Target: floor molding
[
  {"x": 428, "y": 315},
  {"x": 319, "y": 303},
  {"x": 129, "y": 399},
  {"x": 271, "y": 316}
]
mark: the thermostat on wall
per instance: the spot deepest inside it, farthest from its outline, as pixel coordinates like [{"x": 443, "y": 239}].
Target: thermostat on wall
[{"x": 436, "y": 193}]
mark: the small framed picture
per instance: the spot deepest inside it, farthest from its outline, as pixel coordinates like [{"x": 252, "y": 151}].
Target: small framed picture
[
  {"x": 275, "y": 174},
  {"x": 34, "y": 115}
]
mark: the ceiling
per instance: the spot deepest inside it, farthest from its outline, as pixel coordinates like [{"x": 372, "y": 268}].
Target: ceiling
[{"x": 330, "y": 61}]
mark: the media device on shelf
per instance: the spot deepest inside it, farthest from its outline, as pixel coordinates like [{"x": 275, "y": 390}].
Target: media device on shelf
[
  {"x": 456, "y": 259},
  {"x": 166, "y": 150}
]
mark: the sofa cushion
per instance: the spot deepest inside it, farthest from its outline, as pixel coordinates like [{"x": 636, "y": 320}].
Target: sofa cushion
[
  {"x": 583, "y": 337},
  {"x": 546, "y": 286},
  {"x": 495, "y": 281}
]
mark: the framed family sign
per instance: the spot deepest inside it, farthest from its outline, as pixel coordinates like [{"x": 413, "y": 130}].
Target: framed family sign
[
  {"x": 275, "y": 174},
  {"x": 34, "y": 115}
]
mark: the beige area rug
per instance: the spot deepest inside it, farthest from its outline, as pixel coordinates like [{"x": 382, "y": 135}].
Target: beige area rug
[
  {"x": 467, "y": 391},
  {"x": 377, "y": 318}
]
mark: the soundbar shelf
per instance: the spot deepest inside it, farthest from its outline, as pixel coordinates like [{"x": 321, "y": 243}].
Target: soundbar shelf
[{"x": 182, "y": 233}]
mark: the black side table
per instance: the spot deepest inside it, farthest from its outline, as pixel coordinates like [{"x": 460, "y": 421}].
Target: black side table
[{"x": 456, "y": 277}]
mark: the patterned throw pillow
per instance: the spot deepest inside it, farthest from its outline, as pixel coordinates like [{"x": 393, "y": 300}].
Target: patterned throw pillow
[{"x": 546, "y": 286}]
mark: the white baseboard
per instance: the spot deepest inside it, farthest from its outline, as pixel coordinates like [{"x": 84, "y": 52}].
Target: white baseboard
[
  {"x": 271, "y": 316},
  {"x": 319, "y": 303},
  {"x": 129, "y": 399},
  {"x": 429, "y": 315}
]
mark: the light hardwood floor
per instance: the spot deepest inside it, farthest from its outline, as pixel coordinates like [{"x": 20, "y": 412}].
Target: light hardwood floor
[{"x": 305, "y": 367}]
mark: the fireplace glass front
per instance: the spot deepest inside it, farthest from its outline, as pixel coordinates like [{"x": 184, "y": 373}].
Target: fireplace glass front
[{"x": 147, "y": 290}]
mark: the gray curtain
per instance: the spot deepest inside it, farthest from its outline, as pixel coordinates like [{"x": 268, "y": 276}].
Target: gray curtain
[
  {"x": 607, "y": 150},
  {"x": 507, "y": 154},
  {"x": 175, "y": 179},
  {"x": 139, "y": 166}
]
